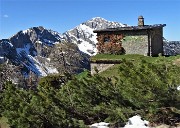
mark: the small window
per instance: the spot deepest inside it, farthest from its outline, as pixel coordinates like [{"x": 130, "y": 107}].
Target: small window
[{"x": 106, "y": 39}]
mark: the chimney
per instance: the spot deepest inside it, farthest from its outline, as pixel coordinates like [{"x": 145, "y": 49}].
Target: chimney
[{"x": 140, "y": 21}]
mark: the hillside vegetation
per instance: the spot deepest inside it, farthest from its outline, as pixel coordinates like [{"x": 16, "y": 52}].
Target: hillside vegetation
[
  {"x": 140, "y": 85},
  {"x": 135, "y": 59}
]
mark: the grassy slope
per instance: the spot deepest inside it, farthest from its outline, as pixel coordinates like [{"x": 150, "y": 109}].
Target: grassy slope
[{"x": 113, "y": 71}]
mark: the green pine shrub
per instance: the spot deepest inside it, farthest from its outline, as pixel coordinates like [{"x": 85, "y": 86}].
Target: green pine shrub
[{"x": 148, "y": 89}]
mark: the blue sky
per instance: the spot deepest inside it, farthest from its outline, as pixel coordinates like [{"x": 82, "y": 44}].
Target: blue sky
[{"x": 62, "y": 15}]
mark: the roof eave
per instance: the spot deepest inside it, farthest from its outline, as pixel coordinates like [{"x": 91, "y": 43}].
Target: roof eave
[{"x": 131, "y": 28}]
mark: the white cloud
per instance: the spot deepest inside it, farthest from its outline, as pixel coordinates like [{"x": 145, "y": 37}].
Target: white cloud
[{"x": 5, "y": 16}]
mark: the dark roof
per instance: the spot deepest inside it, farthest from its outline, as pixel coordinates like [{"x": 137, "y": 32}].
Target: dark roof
[{"x": 130, "y": 28}]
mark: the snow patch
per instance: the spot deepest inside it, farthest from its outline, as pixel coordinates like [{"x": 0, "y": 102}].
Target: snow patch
[
  {"x": 98, "y": 18},
  {"x": 36, "y": 66},
  {"x": 86, "y": 47},
  {"x": 49, "y": 59},
  {"x": 100, "y": 125},
  {"x": 2, "y": 59},
  {"x": 56, "y": 42},
  {"x": 11, "y": 44},
  {"x": 25, "y": 31},
  {"x": 89, "y": 32},
  {"x": 49, "y": 42},
  {"x": 178, "y": 88},
  {"x": 85, "y": 28},
  {"x": 136, "y": 122},
  {"x": 39, "y": 42},
  {"x": 52, "y": 70},
  {"x": 24, "y": 49},
  {"x": 133, "y": 122},
  {"x": 86, "y": 44},
  {"x": 43, "y": 69}
]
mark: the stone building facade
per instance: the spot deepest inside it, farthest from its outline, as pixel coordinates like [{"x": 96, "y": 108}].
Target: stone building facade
[{"x": 141, "y": 39}]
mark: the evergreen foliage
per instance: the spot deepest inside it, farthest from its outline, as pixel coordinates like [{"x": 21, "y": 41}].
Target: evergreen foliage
[
  {"x": 74, "y": 102},
  {"x": 151, "y": 87}
]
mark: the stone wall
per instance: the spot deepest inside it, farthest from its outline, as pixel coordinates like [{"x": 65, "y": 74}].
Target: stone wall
[
  {"x": 133, "y": 42},
  {"x": 100, "y": 67},
  {"x": 144, "y": 41},
  {"x": 137, "y": 44}
]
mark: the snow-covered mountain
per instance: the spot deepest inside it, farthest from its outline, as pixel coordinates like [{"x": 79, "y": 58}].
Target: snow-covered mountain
[
  {"x": 83, "y": 35},
  {"x": 42, "y": 52}
]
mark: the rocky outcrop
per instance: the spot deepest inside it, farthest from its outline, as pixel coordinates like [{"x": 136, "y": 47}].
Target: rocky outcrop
[
  {"x": 66, "y": 57},
  {"x": 171, "y": 47}
]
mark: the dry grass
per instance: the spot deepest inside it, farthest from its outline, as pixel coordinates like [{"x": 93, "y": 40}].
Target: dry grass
[
  {"x": 177, "y": 62},
  {"x": 3, "y": 123}
]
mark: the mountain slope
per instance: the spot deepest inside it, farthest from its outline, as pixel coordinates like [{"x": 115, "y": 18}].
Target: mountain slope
[
  {"x": 83, "y": 35},
  {"x": 33, "y": 49}
]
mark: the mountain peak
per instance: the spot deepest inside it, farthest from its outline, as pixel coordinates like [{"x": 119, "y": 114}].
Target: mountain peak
[
  {"x": 38, "y": 28},
  {"x": 41, "y": 27},
  {"x": 97, "y": 19}
]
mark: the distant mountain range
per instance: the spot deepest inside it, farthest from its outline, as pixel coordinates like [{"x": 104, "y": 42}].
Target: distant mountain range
[{"x": 44, "y": 51}]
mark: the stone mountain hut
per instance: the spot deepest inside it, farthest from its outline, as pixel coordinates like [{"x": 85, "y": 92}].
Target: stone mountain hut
[{"x": 140, "y": 39}]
